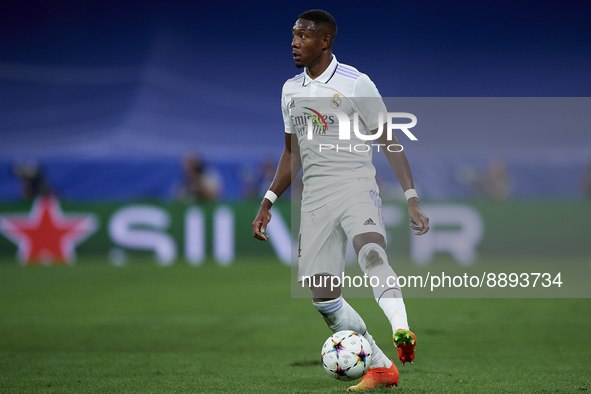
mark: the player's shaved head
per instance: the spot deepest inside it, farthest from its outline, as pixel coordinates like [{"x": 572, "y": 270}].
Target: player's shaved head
[{"x": 322, "y": 21}]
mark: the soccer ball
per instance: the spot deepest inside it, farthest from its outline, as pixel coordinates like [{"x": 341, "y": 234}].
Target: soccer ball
[{"x": 346, "y": 355}]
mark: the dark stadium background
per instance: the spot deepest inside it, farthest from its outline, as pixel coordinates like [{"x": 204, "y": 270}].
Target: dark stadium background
[{"x": 108, "y": 96}]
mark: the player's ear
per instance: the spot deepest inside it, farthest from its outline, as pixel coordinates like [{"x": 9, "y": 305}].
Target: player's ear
[{"x": 326, "y": 41}]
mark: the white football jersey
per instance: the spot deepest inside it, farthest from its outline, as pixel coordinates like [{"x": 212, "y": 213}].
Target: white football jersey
[{"x": 335, "y": 161}]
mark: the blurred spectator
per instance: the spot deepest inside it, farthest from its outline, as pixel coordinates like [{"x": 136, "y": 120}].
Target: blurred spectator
[
  {"x": 199, "y": 183},
  {"x": 32, "y": 179},
  {"x": 257, "y": 179},
  {"x": 494, "y": 182}
]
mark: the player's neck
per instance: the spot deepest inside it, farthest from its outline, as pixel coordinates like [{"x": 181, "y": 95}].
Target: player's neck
[{"x": 315, "y": 70}]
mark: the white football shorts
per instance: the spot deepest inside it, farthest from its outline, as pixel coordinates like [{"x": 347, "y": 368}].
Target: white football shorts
[{"x": 324, "y": 231}]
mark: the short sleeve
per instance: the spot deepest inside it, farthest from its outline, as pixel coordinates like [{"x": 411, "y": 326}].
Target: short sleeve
[
  {"x": 286, "y": 117},
  {"x": 369, "y": 102}
]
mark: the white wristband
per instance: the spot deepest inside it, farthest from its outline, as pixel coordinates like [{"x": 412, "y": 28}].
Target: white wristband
[
  {"x": 269, "y": 195},
  {"x": 410, "y": 193}
]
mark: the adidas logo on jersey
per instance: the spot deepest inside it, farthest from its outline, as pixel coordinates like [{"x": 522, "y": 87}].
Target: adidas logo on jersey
[{"x": 369, "y": 222}]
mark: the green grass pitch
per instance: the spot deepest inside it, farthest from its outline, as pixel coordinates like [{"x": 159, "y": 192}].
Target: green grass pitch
[{"x": 95, "y": 328}]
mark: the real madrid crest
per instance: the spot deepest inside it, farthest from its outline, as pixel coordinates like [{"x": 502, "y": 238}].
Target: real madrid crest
[{"x": 335, "y": 102}]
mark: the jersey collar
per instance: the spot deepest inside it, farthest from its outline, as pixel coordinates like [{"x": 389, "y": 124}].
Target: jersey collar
[{"x": 325, "y": 76}]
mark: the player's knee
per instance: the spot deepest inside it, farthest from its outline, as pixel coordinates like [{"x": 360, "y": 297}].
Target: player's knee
[{"x": 360, "y": 240}]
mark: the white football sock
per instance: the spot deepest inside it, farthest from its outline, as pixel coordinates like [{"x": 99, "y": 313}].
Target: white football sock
[
  {"x": 374, "y": 263},
  {"x": 339, "y": 316},
  {"x": 395, "y": 311}
]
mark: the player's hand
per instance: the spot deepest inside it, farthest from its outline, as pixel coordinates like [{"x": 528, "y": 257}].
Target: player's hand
[
  {"x": 259, "y": 226},
  {"x": 418, "y": 220}
]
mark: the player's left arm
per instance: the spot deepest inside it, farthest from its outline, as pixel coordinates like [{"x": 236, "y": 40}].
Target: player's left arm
[{"x": 399, "y": 163}]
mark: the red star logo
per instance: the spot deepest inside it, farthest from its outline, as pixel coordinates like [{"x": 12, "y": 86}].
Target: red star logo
[{"x": 46, "y": 235}]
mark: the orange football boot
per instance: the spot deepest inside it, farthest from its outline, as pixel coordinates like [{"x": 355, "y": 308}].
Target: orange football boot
[{"x": 376, "y": 377}]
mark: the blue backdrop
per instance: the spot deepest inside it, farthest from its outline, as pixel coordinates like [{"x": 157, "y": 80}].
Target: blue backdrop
[{"x": 108, "y": 96}]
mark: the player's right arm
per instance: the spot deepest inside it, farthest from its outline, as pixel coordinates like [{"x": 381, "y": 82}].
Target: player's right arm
[{"x": 288, "y": 167}]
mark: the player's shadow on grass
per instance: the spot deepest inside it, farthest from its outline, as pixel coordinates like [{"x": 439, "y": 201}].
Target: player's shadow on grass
[{"x": 306, "y": 363}]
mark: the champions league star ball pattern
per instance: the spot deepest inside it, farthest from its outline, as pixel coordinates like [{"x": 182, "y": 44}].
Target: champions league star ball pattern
[{"x": 346, "y": 355}]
